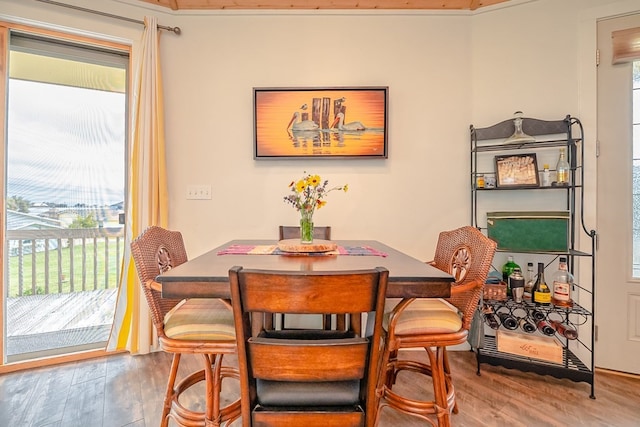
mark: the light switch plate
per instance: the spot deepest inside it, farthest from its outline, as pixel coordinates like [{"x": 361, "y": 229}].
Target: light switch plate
[{"x": 198, "y": 192}]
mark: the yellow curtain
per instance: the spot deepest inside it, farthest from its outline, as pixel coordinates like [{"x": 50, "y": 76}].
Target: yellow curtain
[{"x": 147, "y": 203}]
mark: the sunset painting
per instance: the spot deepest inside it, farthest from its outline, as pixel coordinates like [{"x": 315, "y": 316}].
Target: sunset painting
[{"x": 320, "y": 122}]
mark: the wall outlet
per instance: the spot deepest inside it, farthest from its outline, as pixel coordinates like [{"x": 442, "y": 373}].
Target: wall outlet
[{"x": 198, "y": 192}]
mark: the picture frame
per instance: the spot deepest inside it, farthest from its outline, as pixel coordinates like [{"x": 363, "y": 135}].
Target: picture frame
[
  {"x": 320, "y": 122},
  {"x": 517, "y": 171}
]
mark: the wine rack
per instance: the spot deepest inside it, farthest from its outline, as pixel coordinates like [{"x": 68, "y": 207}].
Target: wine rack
[{"x": 547, "y": 137}]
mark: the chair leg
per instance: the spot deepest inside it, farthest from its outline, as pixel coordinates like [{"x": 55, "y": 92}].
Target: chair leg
[
  {"x": 447, "y": 373},
  {"x": 168, "y": 397},
  {"x": 439, "y": 385}
]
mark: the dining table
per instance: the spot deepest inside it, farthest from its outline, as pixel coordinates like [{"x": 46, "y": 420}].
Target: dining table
[{"x": 207, "y": 275}]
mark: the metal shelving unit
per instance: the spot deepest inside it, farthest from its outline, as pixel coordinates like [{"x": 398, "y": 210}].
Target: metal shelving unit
[{"x": 567, "y": 133}]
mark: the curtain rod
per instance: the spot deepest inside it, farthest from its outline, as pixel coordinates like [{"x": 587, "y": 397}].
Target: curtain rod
[{"x": 175, "y": 30}]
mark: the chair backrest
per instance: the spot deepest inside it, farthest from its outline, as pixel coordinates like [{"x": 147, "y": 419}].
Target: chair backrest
[
  {"x": 293, "y": 232},
  {"x": 466, "y": 254},
  {"x": 156, "y": 251},
  {"x": 307, "y": 377}
]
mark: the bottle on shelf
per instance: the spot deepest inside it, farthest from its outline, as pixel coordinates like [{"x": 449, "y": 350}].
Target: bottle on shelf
[
  {"x": 545, "y": 327},
  {"x": 527, "y": 325},
  {"x": 562, "y": 281},
  {"x": 528, "y": 285},
  {"x": 507, "y": 269},
  {"x": 537, "y": 315},
  {"x": 508, "y": 321},
  {"x": 541, "y": 292},
  {"x": 491, "y": 320},
  {"x": 545, "y": 180},
  {"x": 565, "y": 330},
  {"x": 562, "y": 169}
]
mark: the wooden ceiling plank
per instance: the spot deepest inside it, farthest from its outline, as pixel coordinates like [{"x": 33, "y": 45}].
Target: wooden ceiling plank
[{"x": 324, "y": 4}]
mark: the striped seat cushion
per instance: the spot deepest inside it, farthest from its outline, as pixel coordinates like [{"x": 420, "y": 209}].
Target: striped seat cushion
[
  {"x": 427, "y": 316},
  {"x": 200, "y": 319}
]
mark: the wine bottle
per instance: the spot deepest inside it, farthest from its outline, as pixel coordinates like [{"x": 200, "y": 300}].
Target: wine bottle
[
  {"x": 562, "y": 169},
  {"x": 508, "y": 321},
  {"x": 537, "y": 315},
  {"x": 526, "y": 325},
  {"x": 565, "y": 330},
  {"x": 562, "y": 283},
  {"x": 544, "y": 327},
  {"x": 541, "y": 292},
  {"x": 491, "y": 320},
  {"x": 507, "y": 269}
]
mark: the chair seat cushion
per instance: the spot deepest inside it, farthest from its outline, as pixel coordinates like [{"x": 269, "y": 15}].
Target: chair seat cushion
[
  {"x": 201, "y": 320},
  {"x": 327, "y": 393},
  {"x": 427, "y": 315}
]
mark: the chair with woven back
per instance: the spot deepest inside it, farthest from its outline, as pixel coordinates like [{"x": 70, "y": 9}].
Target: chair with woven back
[
  {"x": 434, "y": 324},
  {"x": 314, "y": 377},
  {"x": 202, "y": 327}
]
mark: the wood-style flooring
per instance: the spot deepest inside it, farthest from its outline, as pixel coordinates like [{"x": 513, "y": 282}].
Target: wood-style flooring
[{"x": 124, "y": 390}]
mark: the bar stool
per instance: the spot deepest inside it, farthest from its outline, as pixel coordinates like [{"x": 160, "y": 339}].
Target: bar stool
[
  {"x": 202, "y": 327},
  {"x": 434, "y": 324}
]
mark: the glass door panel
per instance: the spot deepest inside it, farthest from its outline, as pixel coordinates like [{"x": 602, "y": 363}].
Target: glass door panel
[{"x": 65, "y": 192}]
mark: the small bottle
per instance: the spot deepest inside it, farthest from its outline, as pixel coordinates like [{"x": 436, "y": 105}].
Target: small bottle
[
  {"x": 527, "y": 325},
  {"x": 507, "y": 269},
  {"x": 544, "y": 327},
  {"x": 528, "y": 285},
  {"x": 480, "y": 180},
  {"x": 565, "y": 330},
  {"x": 562, "y": 284},
  {"x": 541, "y": 292},
  {"x": 546, "y": 176},
  {"x": 562, "y": 169},
  {"x": 508, "y": 321}
]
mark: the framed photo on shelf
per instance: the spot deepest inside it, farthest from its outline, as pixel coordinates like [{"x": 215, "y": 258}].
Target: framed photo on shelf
[
  {"x": 320, "y": 122},
  {"x": 517, "y": 171}
]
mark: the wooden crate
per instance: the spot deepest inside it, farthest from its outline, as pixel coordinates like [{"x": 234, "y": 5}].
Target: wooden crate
[{"x": 529, "y": 345}]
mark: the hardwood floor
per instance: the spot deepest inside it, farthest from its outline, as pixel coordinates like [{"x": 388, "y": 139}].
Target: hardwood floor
[{"x": 123, "y": 390}]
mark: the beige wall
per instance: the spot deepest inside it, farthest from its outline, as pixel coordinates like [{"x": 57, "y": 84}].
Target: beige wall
[{"x": 444, "y": 71}]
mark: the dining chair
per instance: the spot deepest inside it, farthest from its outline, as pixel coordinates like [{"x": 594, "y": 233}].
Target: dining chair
[
  {"x": 324, "y": 233},
  {"x": 202, "y": 327},
  {"x": 293, "y": 232},
  {"x": 311, "y": 377},
  {"x": 434, "y": 324}
]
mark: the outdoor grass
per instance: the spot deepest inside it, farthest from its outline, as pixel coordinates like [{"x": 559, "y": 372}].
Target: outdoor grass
[{"x": 100, "y": 271}]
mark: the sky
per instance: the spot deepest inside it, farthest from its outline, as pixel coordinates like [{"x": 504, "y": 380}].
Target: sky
[{"x": 65, "y": 144}]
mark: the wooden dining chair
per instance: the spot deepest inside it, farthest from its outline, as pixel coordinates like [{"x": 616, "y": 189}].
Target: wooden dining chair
[
  {"x": 203, "y": 327},
  {"x": 293, "y": 232},
  {"x": 434, "y": 324},
  {"x": 313, "y": 377},
  {"x": 324, "y": 233}
]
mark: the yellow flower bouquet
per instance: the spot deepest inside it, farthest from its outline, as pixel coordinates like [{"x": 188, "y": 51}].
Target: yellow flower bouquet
[{"x": 307, "y": 195}]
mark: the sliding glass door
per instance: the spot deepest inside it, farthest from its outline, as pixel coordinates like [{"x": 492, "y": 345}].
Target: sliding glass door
[{"x": 65, "y": 151}]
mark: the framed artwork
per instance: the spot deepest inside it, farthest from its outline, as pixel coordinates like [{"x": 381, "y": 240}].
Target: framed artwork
[
  {"x": 517, "y": 171},
  {"x": 341, "y": 122}
]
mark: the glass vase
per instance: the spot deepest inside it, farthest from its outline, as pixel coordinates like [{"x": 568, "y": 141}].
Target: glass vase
[{"x": 306, "y": 229}]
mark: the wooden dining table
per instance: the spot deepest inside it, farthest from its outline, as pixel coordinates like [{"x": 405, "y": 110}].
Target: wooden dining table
[{"x": 207, "y": 275}]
